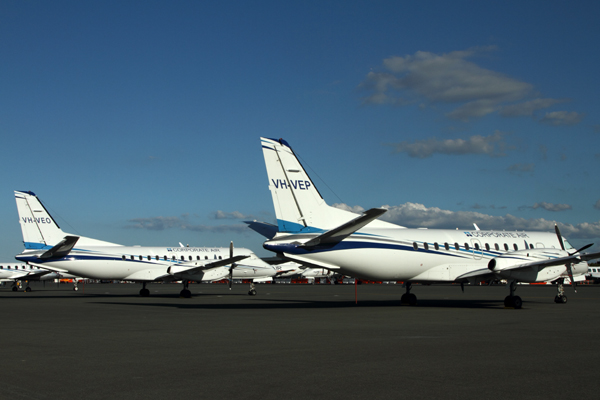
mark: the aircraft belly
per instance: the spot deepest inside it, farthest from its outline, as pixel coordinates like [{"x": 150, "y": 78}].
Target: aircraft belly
[{"x": 372, "y": 264}]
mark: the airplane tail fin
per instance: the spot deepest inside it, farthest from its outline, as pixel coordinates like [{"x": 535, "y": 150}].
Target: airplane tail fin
[
  {"x": 38, "y": 227},
  {"x": 40, "y": 230},
  {"x": 299, "y": 207}
]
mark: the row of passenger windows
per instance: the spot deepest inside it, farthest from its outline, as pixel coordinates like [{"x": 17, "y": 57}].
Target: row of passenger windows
[
  {"x": 476, "y": 246},
  {"x": 15, "y": 267},
  {"x": 166, "y": 258}
]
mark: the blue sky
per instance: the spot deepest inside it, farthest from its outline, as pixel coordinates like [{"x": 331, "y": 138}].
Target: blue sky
[{"x": 138, "y": 122}]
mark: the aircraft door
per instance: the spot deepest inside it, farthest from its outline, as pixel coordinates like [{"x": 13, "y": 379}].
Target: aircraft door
[{"x": 477, "y": 250}]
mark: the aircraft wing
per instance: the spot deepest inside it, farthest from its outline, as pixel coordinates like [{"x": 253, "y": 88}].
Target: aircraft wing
[
  {"x": 539, "y": 265},
  {"x": 338, "y": 234},
  {"x": 51, "y": 269},
  {"x": 191, "y": 267},
  {"x": 311, "y": 263},
  {"x": 480, "y": 274}
]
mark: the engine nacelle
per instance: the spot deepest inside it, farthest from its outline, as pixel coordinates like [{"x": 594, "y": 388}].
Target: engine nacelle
[{"x": 506, "y": 265}]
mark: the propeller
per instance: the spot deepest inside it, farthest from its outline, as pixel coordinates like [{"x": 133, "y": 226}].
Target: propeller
[
  {"x": 233, "y": 265},
  {"x": 568, "y": 265}
]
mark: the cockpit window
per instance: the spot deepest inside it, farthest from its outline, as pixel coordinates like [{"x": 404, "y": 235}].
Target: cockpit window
[{"x": 567, "y": 244}]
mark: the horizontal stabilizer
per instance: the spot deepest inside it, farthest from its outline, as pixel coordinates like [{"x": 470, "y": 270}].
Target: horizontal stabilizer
[
  {"x": 63, "y": 248},
  {"x": 338, "y": 234},
  {"x": 263, "y": 228}
]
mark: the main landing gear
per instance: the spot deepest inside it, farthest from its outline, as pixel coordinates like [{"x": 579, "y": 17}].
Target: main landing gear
[
  {"x": 408, "y": 298},
  {"x": 144, "y": 292},
  {"x": 252, "y": 291},
  {"x": 560, "y": 295},
  {"x": 185, "y": 293},
  {"x": 512, "y": 301}
]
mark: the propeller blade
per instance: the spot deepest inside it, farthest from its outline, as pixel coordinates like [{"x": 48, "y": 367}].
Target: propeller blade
[
  {"x": 570, "y": 272},
  {"x": 232, "y": 265},
  {"x": 583, "y": 248},
  {"x": 560, "y": 240}
]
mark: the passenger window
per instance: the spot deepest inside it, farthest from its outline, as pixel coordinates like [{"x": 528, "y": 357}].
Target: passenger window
[
  {"x": 173, "y": 258},
  {"x": 505, "y": 247},
  {"x": 467, "y": 246},
  {"x": 531, "y": 245},
  {"x": 476, "y": 246},
  {"x": 456, "y": 246},
  {"x": 141, "y": 258},
  {"x": 436, "y": 246},
  {"x": 124, "y": 257},
  {"x": 190, "y": 258},
  {"x": 515, "y": 246},
  {"x": 182, "y": 258},
  {"x": 132, "y": 257},
  {"x": 425, "y": 246},
  {"x": 496, "y": 246},
  {"x": 149, "y": 258},
  {"x": 206, "y": 257},
  {"x": 487, "y": 247},
  {"x": 447, "y": 246},
  {"x": 197, "y": 258},
  {"x": 415, "y": 246}
]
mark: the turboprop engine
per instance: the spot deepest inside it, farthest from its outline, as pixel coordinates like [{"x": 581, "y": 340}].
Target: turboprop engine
[{"x": 534, "y": 265}]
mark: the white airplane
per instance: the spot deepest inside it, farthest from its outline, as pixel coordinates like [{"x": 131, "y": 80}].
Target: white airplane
[
  {"x": 16, "y": 272},
  {"x": 48, "y": 247},
  {"x": 315, "y": 234}
]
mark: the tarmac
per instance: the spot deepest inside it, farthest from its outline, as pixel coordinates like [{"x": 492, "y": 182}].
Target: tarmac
[{"x": 297, "y": 342}]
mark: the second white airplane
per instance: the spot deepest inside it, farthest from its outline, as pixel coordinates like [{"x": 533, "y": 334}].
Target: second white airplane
[
  {"x": 48, "y": 247},
  {"x": 315, "y": 234}
]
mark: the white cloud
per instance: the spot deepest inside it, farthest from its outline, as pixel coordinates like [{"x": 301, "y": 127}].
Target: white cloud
[
  {"x": 561, "y": 118},
  {"x": 552, "y": 206},
  {"x": 528, "y": 108},
  {"x": 232, "y": 215},
  {"x": 492, "y": 145},
  {"x": 183, "y": 223},
  {"x": 452, "y": 79},
  {"x": 447, "y": 78}
]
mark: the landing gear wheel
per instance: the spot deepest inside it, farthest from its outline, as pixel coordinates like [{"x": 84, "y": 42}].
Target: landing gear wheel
[
  {"x": 517, "y": 302},
  {"x": 144, "y": 292},
  {"x": 15, "y": 289},
  {"x": 513, "y": 302},
  {"x": 185, "y": 293},
  {"x": 412, "y": 300},
  {"x": 75, "y": 288},
  {"x": 404, "y": 298},
  {"x": 28, "y": 289},
  {"x": 252, "y": 292},
  {"x": 560, "y": 299}
]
